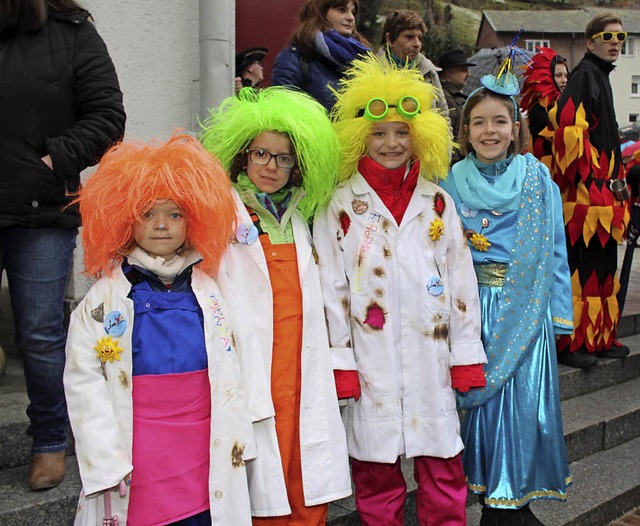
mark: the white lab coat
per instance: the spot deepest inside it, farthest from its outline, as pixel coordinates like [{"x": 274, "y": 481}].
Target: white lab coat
[
  {"x": 407, "y": 404},
  {"x": 244, "y": 281},
  {"x": 101, "y": 409}
]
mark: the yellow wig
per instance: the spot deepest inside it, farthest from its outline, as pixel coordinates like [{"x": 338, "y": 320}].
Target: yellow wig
[
  {"x": 131, "y": 177},
  {"x": 374, "y": 78}
]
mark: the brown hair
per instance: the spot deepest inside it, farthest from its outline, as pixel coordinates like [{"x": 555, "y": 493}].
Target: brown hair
[
  {"x": 478, "y": 96},
  {"x": 599, "y": 22},
  {"x": 22, "y": 16},
  {"x": 239, "y": 163},
  {"x": 400, "y": 21},
  {"x": 313, "y": 18}
]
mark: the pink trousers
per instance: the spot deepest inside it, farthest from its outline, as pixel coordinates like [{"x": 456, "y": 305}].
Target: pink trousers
[{"x": 381, "y": 492}]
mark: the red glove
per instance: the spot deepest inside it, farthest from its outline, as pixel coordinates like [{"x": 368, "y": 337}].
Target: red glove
[
  {"x": 465, "y": 377},
  {"x": 347, "y": 384}
]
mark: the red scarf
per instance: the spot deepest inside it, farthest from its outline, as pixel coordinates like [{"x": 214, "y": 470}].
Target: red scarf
[{"x": 393, "y": 188}]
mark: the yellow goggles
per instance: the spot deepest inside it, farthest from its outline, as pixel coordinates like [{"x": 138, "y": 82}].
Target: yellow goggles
[
  {"x": 607, "y": 36},
  {"x": 377, "y": 108}
]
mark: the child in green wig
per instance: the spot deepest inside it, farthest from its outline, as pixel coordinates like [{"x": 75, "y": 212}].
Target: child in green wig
[{"x": 283, "y": 156}]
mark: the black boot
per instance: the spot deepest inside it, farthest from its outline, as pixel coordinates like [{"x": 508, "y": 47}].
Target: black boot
[
  {"x": 580, "y": 359},
  {"x": 617, "y": 350},
  {"x": 500, "y": 517},
  {"x": 529, "y": 518}
]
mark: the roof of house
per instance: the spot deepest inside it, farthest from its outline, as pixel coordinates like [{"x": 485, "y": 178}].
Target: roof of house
[{"x": 556, "y": 21}]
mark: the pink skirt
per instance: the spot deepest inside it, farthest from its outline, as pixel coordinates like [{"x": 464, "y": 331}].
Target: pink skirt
[{"x": 171, "y": 435}]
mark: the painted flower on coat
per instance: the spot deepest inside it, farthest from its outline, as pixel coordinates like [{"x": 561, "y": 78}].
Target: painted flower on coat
[
  {"x": 436, "y": 229},
  {"x": 108, "y": 349},
  {"x": 480, "y": 242}
]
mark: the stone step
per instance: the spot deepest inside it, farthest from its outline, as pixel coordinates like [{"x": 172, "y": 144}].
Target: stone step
[
  {"x": 575, "y": 382},
  {"x": 15, "y": 445},
  {"x": 19, "y": 506},
  {"x": 605, "y": 486},
  {"x": 601, "y": 420}
]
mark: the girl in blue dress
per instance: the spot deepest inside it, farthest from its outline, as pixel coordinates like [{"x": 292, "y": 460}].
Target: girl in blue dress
[{"x": 511, "y": 213}]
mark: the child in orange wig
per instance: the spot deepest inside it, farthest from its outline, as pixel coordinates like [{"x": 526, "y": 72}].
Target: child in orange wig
[{"x": 150, "y": 362}]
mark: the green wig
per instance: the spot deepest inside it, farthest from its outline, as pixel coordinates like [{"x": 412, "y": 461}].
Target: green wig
[
  {"x": 372, "y": 78},
  {"x": 232, "y": 126}
]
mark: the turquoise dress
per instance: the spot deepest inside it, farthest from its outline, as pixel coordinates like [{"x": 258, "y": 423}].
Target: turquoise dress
[{"x": 511, "y": 212}]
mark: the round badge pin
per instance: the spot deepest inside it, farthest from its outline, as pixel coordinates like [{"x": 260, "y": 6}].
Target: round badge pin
[
  {"x": 247, "y": 234},
  {"x": 359, "y": 206},
  {"x": 435, "y": 286},
  {"x": 467, "y": 212},
  {"x": 115, "y": 324}
]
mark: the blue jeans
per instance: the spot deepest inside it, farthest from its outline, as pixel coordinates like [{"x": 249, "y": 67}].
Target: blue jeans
[{"x": 37, "y": 262}]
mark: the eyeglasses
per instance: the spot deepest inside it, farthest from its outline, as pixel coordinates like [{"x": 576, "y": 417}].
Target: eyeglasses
[
  {"x": 607, "y": 36},
  {"x": 377, "y": 108},
  {"x": 262, "y": 157}
]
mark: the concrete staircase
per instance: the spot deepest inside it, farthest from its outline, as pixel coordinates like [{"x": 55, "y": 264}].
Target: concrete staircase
[{"x": 601, "y": 411}]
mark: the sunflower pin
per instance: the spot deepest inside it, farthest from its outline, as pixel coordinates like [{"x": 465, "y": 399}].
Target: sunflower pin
[
  {"x": 108, "y": 349},
  {"x": 480, "y": 242},
  {"x": 436, "y": 229}
]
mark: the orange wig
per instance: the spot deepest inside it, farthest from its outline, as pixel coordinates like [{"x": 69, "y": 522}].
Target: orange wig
[{"x": 131, "y": 177}]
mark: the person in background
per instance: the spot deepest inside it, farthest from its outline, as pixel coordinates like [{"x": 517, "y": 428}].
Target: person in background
[
  {"x": 400, "y": 295},
  {"x": 544, "y": 79},
  {"x": 282, "y": 156},
  {"x": 321, "y": 48},
  {"x": 455, "y": 72},
  {"x": 249, "y": 68},
  {"x": 511, "y": 213},
  {"x": 402, "y": 36},
  {"x": 586, "y": 161},
  {"x": 60, "y": 109},
  {"x": 151, "y": 365}
]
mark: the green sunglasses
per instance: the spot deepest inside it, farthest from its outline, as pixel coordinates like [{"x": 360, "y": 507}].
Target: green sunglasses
[
  {"x": 607, "y": 36},
  {"x": 378, "y": 108}
]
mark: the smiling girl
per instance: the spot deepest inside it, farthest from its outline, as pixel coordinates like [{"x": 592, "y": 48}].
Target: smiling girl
[
  {"x": 511, "y": 214},
  {"x": 282, "y": 156},
  {"x": 400, "y": 295}
]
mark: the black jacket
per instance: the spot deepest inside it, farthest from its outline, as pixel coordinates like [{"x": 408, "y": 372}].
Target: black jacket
[
  {"x": 59, "y": 95},
  {"x": 589, "y": 86}
]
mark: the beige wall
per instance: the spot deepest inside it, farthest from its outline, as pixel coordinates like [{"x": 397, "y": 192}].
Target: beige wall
[{"x": 154, "y": 46}]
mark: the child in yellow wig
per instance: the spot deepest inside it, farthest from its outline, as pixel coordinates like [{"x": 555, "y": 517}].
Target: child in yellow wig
[
  {"x": 283, "y": 155},
  {"x": 400, "y": 295},
  {"x": 151, "y": 367}
]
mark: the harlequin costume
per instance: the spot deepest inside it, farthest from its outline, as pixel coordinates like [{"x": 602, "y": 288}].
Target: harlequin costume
[
  {"x": 150, "y": 360},
  {"x": 586, "y": 157},
  {"x": 401, "y": 301},
  {"x": 270, "y": 278},
  {"x": 539, "y": 93}
]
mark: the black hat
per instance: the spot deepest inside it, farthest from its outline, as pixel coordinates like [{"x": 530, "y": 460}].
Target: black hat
[
  {"x": 454, "y": 58},
  {"x": 249, "y": 56}
]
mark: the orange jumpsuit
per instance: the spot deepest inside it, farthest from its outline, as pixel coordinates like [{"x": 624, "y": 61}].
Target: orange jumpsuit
[{"x": 286, "y": 380}]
